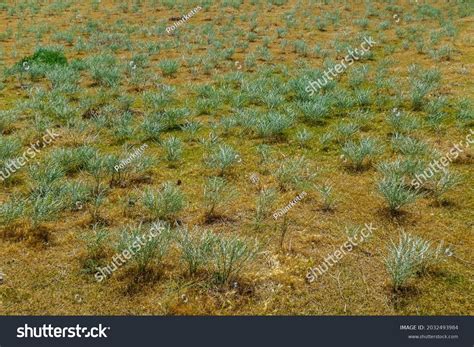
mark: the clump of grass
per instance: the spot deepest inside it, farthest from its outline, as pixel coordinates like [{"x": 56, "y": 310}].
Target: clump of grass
[
  {"x": 328, "y": 199},
  {"x": 345, "y": 131},
  {"x": 95, "y": 241},
  {"x": 165, "y": 203},
  {"x": 265, "y": 200},
  {"x": 409, "y": 146},
  {"x": 445, "y": 182},
  {"x": 293, "y": 173},
  {"x": 272, "y": 125},
  {"x": 11, "y": 211},
  {"x": 360, "y": 155},
  {"x": 403, "y": 123},
  {"x": 396, "y": 193},
  {"x": 168, "y": 67},
  {"x": 149, "y": 246},
  {"x": 412, "y": 255},
  {"x": 222, "y": 157},
  {"x": 196, "y": 248},
  {"x": 173, "y": 149},
  {"x": 216, "y": 193},
  {"x": 303, "y": 136},
  {"x": 231, "y": 255}
]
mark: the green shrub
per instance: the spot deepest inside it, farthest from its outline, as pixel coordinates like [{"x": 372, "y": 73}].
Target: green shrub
[
  {"x": 396, "y": 193},
  {"x": 196, "y": 248},
  {"x": 46, "y": 56},
  {"x": 151, "y": 251},
  {"x": 293, "y": 173},
  {"x": 216, "y": 193},
  {"x": 360, "y": 155},
  {"x": 165, "y": 203},
  {"x": 222, "y": 157},
  {"x": 410, "y": 256},
  {"x": 230, "y": 257},
  {"x": 168, "y": 67}
]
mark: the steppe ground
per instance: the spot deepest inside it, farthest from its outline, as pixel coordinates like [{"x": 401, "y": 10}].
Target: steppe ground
[{"x": 234, "y": 73}]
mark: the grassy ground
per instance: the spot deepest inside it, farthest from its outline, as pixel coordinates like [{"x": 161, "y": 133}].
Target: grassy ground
[{"x": 258, "y": 57}]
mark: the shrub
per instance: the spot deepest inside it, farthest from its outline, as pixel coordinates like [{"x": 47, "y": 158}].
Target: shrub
[
  {"x": 230, "y": 257},
  {"x": 165, "y": 203},
  {"x": 395, "y": 192},
  {"x": 293, "y": 172},
  {"x": 46, "y": 56},
  {"x": 222, "y": 157},
  {"x": 326, "y": 192},
  {"x": 272, "y": 125},
  {"x": 409, "y": 146},
  {"x": 303, "y": 136},
  {"x": 216, "y": 192},
  {"x": 168, "y": 67},
  {"x": 173, "y": 148},
  {"x": 149, "y": 247},
  {"x": 196, "y": 248},
  {"x": 361, "y": 154},
  {"x": 410, "y": 256}
]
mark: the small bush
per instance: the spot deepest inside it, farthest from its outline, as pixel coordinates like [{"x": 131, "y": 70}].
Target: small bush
[
  {"x": 216, "y": 192},
  {"x": 173, "y": 148},
  {"x": 165, "y": 203},
  {"x": 222, "y": 157},
  {"x": 360, "y": 155},
  {"x": 230, "y": 257},
  {"x": 148, "y": 247},
  {"x": 395, "y": 192},
  {"x": 410, "y": 256},
  {"x": 196, "y": 248},
  {"x": 293, "y": 172}
]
